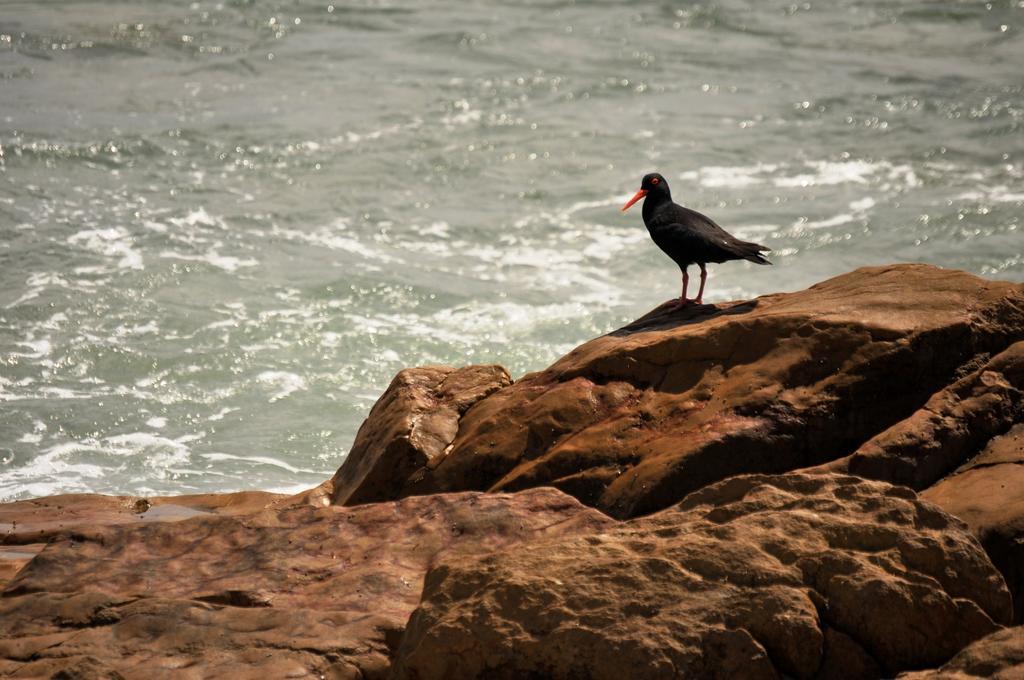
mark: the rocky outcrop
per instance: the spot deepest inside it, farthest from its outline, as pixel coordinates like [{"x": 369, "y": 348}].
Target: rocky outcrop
[
  {"x": 907, "y": 374},
  {"x": 988, "y": 494},
  {"x": 409, "y": 429},
  {"x": 633, "y": 421},
  {"x": 999, "y": 656},
  {"x": 294, "y": 592},
  {"x": 803, "y": 576},
  {"x": 953, "y": 426}
]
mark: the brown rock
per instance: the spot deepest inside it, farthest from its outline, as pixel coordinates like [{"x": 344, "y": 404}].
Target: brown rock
[
  {"x": 951, "y": 428},
  {"x": 806, "y": 576},
  {"x": 999, "y": 656},
  {"x": 410, "y": 427},
  {"x": 40, "y": 519},
  {"x": 294, "y": 592},
  {"x": 26, "y": 526},
  {"x": 14, "y": 558},
  {"x": 633, "y": 421},
  {"x": 988, "y": 494}
]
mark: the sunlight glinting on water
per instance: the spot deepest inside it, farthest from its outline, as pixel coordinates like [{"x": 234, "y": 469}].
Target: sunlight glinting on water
[{"x": 226, "y": 226}]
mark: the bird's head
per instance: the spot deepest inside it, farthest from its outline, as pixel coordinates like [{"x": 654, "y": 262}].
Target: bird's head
[{"x": 651, "y": 184}]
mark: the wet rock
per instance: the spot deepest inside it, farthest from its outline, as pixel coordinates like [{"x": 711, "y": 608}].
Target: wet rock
[
  {"x": 297, "y": 591},
  {"x": 802, "y": 576},
  {"x": 26, "y": 526}
]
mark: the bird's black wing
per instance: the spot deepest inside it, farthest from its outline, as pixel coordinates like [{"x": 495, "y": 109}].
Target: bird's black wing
[{"x": 703, "y": 240}]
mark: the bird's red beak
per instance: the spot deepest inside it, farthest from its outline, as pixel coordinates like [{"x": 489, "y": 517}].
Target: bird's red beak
[{"x": 640, "y": 194}]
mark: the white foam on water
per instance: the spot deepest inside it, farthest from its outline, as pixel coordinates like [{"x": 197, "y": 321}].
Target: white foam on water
[
  {"x": 351, "y": 137},
  {"x": 261, "y": 460},
  {"x": 38, "y": 348},
  {"x": 219, "y": 415},
  {"x": 440, "y": 229},
  {"x": 734, "y": 177},
  {"x": 994, "y": 194},
  {"x": 228, "y": 263},
  {"x": 225, "y": 323},
  {"x": 863, "y": 205},
  {"x": 45, "y": 392},
  {"x": 37, "y": 282},
  {"x": 608, "y": 243},
  {"x": 834, "y": 221},
  {"x": 290, "y": 489},
  {"x": 830, "y": 173},
  {"x": 500, "y": 322},
  {"x": 565, "y": 217},
  {"x": 198, "y": 217},
  {"x": 753, "y": 230},
  {"x": 51, "y": 464},
  {"x": 286, "y": 383},
  {"x": 463, "y": 114},
  {"x": 524, "y": 255},
  {"x": 859, "y": 209},
  {"x": 330, "y": 237},
  {"x": 113, "y": 242},
  {"x": 157, "y": 452},
  {"x": 36, "y": 489},
  {"x": 1003, "y": 194},
  {"x": 148, "y": 328},
  {"x": 388, "y": 355},
  {"x": 157, "y": 422}
]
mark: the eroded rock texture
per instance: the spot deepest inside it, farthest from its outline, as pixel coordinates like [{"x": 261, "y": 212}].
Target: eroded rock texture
[
  {"x": 295, "y": 592},
  {"x": 410, "y": 428},
  {"x": 954, "y": 425},
  {"x": 26, "y": 526},
  {"x": 988, "y": 494},
  {"x": 908, "y": 374},
  {"x": 633, "y": 421},
  {"x": 999, "y": 656},
  {"x": 805, "y": 576}
]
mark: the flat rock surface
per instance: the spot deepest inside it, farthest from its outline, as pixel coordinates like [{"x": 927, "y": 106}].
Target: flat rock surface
[
  {"x": 26, "y": 526},
  {"x": 633, "y": 421},
  {"x": 37, "y": 520},
  {"x": 801, "y": 576},
  {"x": 301, "y": 591}
]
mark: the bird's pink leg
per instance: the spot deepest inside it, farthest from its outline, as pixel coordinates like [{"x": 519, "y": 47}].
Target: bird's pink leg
[
  {"x": 703, "y": 278},
  {"x": 686, "y": 282}
]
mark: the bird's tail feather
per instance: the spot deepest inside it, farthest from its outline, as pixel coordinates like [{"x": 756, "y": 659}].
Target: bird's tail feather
[
  {"x": 757, "y": 258},
  {"x": 752, "y": 252}
]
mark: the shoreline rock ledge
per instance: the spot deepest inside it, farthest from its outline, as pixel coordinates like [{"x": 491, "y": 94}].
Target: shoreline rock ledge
[{"x": 820, "y": 484}]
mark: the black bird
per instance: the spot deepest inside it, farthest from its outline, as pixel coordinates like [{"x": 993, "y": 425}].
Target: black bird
[{"x": 687, "y": 236}]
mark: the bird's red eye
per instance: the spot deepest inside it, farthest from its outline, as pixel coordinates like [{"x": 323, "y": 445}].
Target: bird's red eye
[{"x": 655, "y": 180}]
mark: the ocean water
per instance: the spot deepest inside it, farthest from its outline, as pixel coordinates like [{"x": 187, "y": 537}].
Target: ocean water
[{"x": 224, "y": 226}]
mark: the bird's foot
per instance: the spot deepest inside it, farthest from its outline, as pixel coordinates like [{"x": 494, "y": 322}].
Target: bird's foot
[
  {"x": 699, "y": 301},
  {"x": 680, "y": 302}
]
